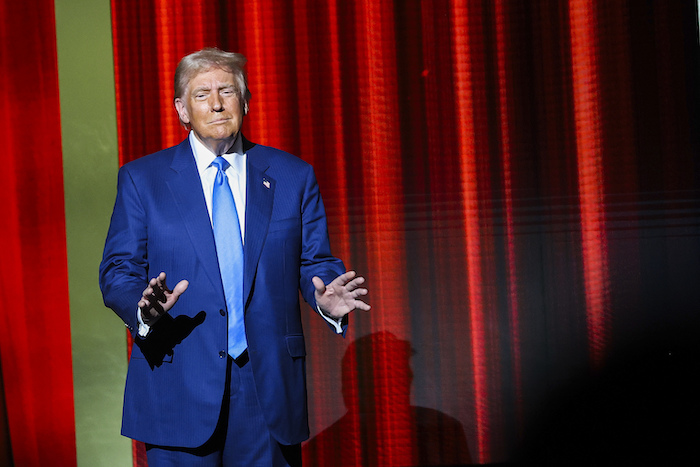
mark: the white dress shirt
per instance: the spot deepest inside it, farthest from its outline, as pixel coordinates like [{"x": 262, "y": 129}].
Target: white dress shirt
[{"x": 236, "y": 174}]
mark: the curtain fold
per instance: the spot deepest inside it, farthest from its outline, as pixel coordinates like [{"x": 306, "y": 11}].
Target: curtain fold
[{"x": 36, "y": 345}]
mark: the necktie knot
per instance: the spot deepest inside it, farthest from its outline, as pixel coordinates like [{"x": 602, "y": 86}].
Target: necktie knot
[{"x": 220, "y": 163}]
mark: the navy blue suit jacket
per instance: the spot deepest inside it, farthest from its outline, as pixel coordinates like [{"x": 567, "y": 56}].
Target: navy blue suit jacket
[{"x": 176, "y": 377}]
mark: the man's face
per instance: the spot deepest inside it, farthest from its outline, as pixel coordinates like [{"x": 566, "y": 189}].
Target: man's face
[{"x": 213, "y": 108}]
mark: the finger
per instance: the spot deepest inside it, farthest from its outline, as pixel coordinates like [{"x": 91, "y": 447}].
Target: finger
[
  {"x": 360, "y": 305},
  {"x": 152, "y": 296},
  {"x": 158, "y": 294},
  {"x": 345, "y": 278},
  {"x": 180, "y": 287},
  {"x": 160, "y": 280},
  {"x": 359, "y": 292},
  {"x": 150, "y": 307},
  {"x": 319, "y": 285},
  {"x": 355, "y": 283},
  {"x": 148, "y": 295},
  {"x": 160, "y": 288},
  {"x": 150, "y": 291}
]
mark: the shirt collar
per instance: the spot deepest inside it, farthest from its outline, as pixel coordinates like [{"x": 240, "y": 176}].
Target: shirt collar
[{"x": 204, "y": 157}]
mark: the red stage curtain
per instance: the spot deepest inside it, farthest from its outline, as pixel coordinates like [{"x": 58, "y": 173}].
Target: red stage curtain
[
  {"x": 36, "y": 344},
  {"x": 515, "y": 179}
]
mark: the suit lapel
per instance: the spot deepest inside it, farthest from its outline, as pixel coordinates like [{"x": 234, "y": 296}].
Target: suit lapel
[
  {"x": 186, "y": 188},
  {"x": 260, "y": 196}
]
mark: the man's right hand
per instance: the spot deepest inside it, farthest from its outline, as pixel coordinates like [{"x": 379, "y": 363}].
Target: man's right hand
[{"x": 157, "y": 299}]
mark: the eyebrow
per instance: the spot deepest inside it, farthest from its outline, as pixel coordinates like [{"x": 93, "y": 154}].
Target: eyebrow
[{"x": 207, "y": 88}]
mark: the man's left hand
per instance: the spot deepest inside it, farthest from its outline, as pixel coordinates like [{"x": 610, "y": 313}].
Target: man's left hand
[{"x": 340, "y": 297}]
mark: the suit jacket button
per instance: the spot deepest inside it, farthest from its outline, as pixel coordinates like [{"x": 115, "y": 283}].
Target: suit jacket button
[
  {"x": 222, "y": 353},
  {"x": 223, "y": 313}
]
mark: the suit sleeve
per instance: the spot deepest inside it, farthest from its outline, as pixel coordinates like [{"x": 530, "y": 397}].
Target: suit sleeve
[
  {"x": 124, "y": 267},
  {"x": 316, "y": 257}
]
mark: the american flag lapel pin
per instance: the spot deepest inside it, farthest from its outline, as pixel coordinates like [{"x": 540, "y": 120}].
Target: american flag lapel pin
[{"x": 266, "y": 182}]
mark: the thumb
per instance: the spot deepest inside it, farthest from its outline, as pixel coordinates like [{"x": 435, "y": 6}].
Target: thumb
[
  {"x": 319, "y": 285},
  {"x": 181, "y": 287}
]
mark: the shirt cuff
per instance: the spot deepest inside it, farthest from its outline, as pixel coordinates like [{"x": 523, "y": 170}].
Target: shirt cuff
[
  {"x": 144, "y": 328},
  {"x": 337, "y": 324}
]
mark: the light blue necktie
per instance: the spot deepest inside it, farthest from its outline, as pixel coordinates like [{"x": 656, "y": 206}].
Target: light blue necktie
[{"x": 229, "y": 249}]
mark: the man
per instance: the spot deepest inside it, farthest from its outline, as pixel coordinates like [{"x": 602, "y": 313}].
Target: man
[{"x": 217, "y": 375}]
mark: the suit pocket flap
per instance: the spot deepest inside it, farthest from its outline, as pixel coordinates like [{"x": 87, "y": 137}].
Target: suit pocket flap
[
  {"x": 291, "y": 223},
  {"x": 295, "y": 346}
]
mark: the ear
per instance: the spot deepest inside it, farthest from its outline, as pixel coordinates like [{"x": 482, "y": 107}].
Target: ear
[
  {"x": 245, "y": 109},
  {"x": 181, "y": 110}
]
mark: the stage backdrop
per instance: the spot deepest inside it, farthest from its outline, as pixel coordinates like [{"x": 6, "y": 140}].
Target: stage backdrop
[{"x": 518, "y": 181}]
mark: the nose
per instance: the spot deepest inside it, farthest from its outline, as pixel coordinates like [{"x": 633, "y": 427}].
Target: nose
[{"x": 217, "y": 104}]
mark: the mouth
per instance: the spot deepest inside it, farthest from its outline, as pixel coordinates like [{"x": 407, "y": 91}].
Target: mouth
[{"x": 219, "y": 121}]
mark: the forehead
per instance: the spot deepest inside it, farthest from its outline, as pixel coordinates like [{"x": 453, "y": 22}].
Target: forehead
[{"x": 212, "y": 76}]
